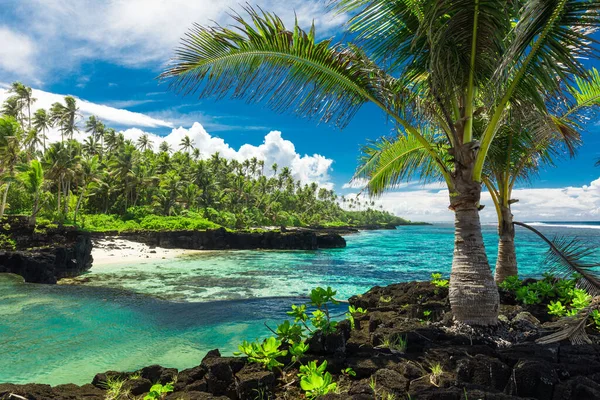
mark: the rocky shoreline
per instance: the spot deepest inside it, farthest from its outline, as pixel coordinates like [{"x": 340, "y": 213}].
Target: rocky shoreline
[
  {"x": 44, "y": 256},
  {"x": 498, "y": 363},
  {"x": 222, "y": 239}
]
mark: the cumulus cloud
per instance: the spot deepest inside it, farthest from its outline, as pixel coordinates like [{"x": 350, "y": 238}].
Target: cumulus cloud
[
  {"x": 137, "y": 32},
  {"x": 113, "y": 116},
  {"x": 273, "y": 150},
  {"x": 17, "y": 54},
  {"x": 430, "y": 204}
]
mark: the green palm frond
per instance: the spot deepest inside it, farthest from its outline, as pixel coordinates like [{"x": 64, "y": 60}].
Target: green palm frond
[
  {"x": 388, "y": 162},
  {"x": 569, "y": 256},
  {"x": 549, "y": 42},
  {"x": 262, "y": 61}
]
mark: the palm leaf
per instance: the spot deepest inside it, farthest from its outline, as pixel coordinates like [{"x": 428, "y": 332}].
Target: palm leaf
[
  {"x": 261, "y": 60},
  {"x": 388, "y": 162},
  {"x": 571, "y": 256}
]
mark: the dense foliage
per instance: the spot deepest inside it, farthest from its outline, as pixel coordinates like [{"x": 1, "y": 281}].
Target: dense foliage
[{"x": 110, "y": 183}]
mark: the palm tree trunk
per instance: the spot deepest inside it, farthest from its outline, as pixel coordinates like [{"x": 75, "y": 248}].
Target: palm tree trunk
[
  {"x": 78, "y": 205},
  {"x": 4, "y": 198},
  {"x": 506, "y": 264},
  {"x": 35, "y": 209},
  {"x": 473, "y": 293}
]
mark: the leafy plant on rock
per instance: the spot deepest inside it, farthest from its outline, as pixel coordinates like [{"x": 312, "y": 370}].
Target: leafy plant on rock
[
  {"x": 265, "y": 353},
  {"x": 158, "y": 391},
  {"x": 315, "y": 380}
]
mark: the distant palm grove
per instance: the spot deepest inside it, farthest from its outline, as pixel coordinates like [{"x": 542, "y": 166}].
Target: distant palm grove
[{"x": 108, "y": 182}]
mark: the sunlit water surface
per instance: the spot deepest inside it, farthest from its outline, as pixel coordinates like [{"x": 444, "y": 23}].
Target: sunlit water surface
[{"x": 171, "y": 312}]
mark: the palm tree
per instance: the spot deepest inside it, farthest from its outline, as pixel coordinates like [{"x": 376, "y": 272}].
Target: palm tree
[
  {"x": 65, "y": 116},
  {"x": 523, "y": 146},
  {"x": 13, "y": 107},
  {"x": 186, "y": 144},
  {"x": 33, "y": 180},
  {"x": 444, "y": 72},
  {"x": 97, "y": 130},
  {"x": 10, "y": 139},
  {"x": 90, "y": 172},
  {"x": 24, "y": 95},
  {"x": 42, "y": 123},
  {"x": 165, "y": 147},
  {"x": 144, "y": 143}
]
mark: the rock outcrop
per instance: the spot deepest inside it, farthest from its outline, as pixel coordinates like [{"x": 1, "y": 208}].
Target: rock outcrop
[
  {"x": 44, "y": 257},
  {"x": 222, "y": 239},
  {"x": 437, "y": 360}
]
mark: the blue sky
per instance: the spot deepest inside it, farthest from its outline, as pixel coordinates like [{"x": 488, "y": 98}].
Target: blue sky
[{"x": 110, "y": 53}]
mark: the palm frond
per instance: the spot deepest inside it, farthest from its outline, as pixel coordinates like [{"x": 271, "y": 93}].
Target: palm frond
[
  {"x": 570, "y": 256},
  {"x": 388, "y": 162},
  {"x": 260, "y": 60},
  {"x": 548, "y": 44}
]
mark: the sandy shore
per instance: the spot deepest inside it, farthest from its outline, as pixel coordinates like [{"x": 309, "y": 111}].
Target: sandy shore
[{"x": 119, "y": 251}]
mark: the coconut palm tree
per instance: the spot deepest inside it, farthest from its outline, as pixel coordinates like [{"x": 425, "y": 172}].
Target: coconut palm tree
[
  {"x": 65, "y": 117},
  {"x": 24, "y": 94},
  {"x": 186, "y": 144},
  {"x": 42, "y": 123},
  {"x": 523, "y": 146},
  {"x": 90, "y": 173},
  {"x": 10, "y": 141},
  {"x": 165, "y": 147},
  {"x": 451, "y": 65},
  {"x": 33, "y": 180},
  {"x": 13, "y": 107},
  {"x": 144, "y": 143}
]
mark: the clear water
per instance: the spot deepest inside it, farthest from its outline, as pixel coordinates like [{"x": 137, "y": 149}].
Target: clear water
[{"x": 171, "y": 312}]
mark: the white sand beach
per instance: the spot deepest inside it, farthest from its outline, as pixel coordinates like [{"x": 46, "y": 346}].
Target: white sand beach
[{"x": 119, "y": 251}]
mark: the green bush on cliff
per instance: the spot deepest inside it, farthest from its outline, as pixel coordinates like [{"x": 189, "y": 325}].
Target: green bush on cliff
[{"x": 109, "y": 223}]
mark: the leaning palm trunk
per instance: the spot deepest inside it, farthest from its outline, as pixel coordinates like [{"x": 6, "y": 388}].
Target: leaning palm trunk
[
  {"x": 4, "y": 199},
  {"x": 473, "y": 294},
  {"x": 506, "y": 264}
]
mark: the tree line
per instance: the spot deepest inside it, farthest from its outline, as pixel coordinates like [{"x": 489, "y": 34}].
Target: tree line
[{"x": 71, "y": 181}]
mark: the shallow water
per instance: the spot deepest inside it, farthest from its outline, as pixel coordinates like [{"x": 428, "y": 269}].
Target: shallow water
[{"x": 165, "y": 312}]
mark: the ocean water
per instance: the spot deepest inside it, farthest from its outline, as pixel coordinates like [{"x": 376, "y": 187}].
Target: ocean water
[{"x": 171, "y": 312}]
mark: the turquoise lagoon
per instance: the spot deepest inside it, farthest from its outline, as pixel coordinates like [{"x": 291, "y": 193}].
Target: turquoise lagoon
[{"x": 171, "y": 312}]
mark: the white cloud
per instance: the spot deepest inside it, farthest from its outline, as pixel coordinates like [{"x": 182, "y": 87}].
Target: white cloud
[
  {"x": 111, "y": 115},
  {"x": 430, "y": 204},
  {"x": 137, "y": 32},
  {"x": 17, "y": 54},
  {"x": 274, "y": 149}
]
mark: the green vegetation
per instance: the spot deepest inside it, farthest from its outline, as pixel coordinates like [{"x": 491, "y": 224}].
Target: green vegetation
[
  {"x": 437, "y": 280},
  {"x": 265, "y": 353},
  {"x": 561, "y": 296},
  {"x": 108, "y": 183},
  {"x": 291, "y": 338},
  {"x": 315, "y": 381},
  {"x": 397, "y": 343},
  {"x": 158, "y": 391}
]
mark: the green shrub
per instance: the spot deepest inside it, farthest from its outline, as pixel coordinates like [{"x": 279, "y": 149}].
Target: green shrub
[
  {"x": 6, "y": 242},
  {"x": 556, "y": 308},
  {"x": 436, "y": 279},
  {"x": 265, "y": 353},
  {"x": 315, "y": 381},
  {"x": 159, "y": 391},
  {"x": 511, "y": 283}
]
